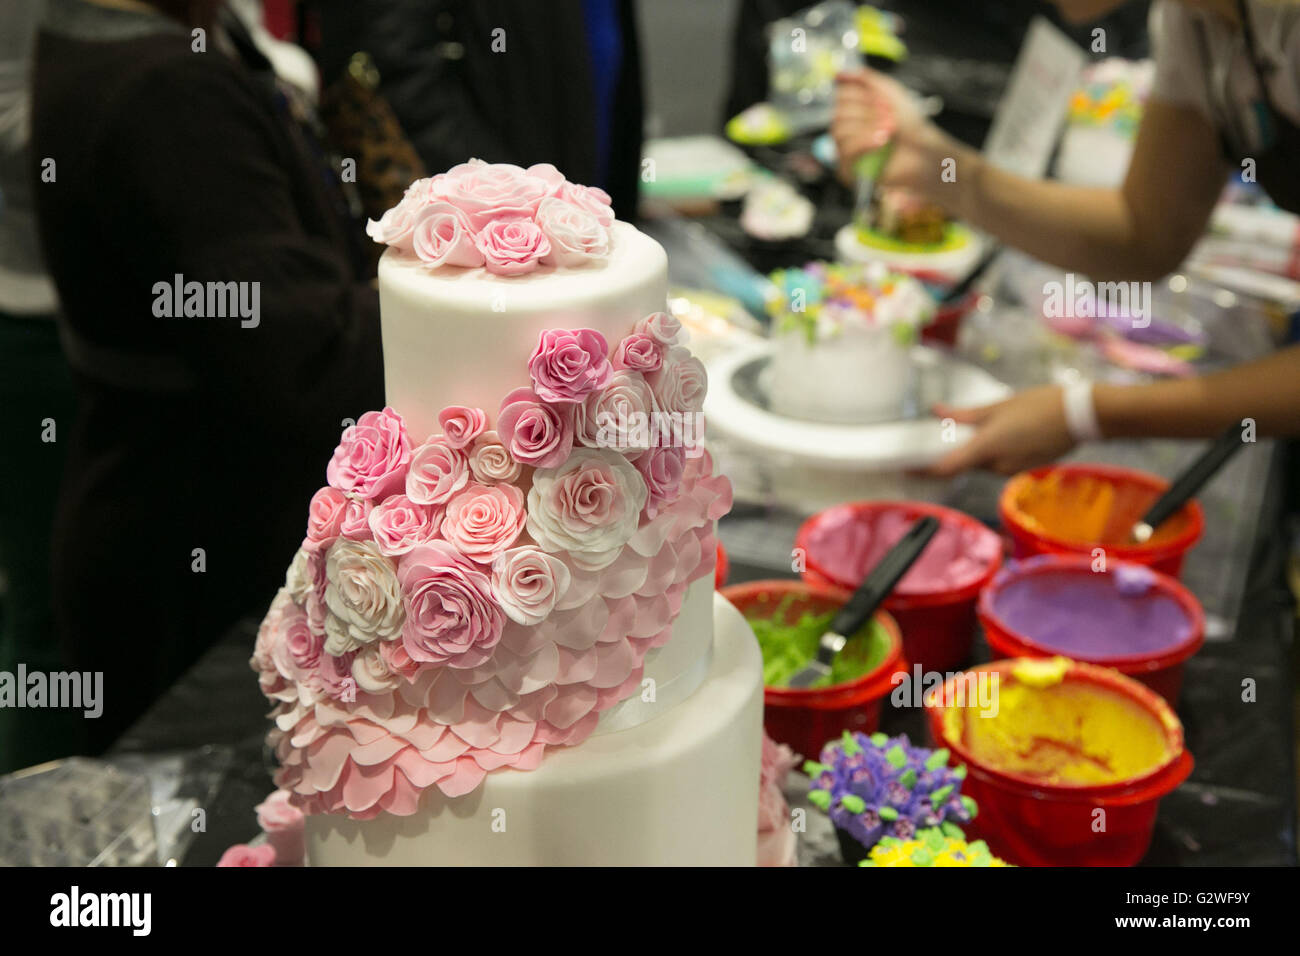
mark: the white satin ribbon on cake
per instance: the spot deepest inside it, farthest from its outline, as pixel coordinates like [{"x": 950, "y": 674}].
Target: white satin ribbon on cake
[{"x": 668, "y": 694}]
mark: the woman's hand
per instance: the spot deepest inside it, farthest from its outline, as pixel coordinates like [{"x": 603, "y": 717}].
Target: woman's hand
[
  {"x": 870, "y": 109},
  {"x": 1027, "y": 429}
]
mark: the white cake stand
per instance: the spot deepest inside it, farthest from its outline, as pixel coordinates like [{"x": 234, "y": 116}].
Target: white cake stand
[
  {"x": 806, "y": 466},
  {"x": 951, "y": 263}
]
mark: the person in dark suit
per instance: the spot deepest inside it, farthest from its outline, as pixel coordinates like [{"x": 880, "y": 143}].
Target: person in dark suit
[
  {"x": 509, "y": 81},
  {"x": 166, "y": 160}
]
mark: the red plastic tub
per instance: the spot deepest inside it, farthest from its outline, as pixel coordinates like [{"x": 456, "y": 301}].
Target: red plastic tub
[
  {"x": 1134, "y": 493},
  {"x": 1162, "y": 670},
  {"x": 937, "y": 626},
  {"x": 806, "y": 719},
  {"x": 947, "y": 318},
  {"x": 1029, "y": 822}
]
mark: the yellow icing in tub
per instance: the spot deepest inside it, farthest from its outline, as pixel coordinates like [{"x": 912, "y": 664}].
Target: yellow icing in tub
[{"x": 1057, "y": 731}]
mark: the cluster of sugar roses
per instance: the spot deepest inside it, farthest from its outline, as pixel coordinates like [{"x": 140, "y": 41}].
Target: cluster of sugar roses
[
  {"x": 504, "y": 218},
  {"x": 414, "y": 556}
]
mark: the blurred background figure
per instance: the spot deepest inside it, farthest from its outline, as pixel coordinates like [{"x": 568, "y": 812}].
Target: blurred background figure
[
  {"x": 36, "y": 396},
  {"x": 502, "y": 80},
  {"x": 180, "y": 158}
]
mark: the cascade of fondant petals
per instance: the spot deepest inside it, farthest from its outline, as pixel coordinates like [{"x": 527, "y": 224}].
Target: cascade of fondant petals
[{"x": 545, "y": 685}]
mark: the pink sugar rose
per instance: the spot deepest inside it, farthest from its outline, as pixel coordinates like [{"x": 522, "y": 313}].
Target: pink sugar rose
[
  {"x": 488, "y": 191},
  {"x": 576, "y": 237},
  {"x": 618, "y": 416},
  {"x": 548, "y": 174},
  {"x": 243, "y": 855},
  {"x": 372, "y": 456},
  {"x": 398, "y": 524},
  {"x": 355, "y": 523},
  {"x": 324, "y": 516},
  {"x": 442, "y": 236},
  {"x": 681, "y": 383},
  {"x": 592, "y": 199},
  {"x": 528, "y": 583},
  {"x": 534, "y": 432},
  {"x": 451, "y": 617},
  {"x": 484, "y": 520},
  {"x": 638, "y": 352},
  {"x": 396, "y": 226},
  {"x": 569, "y": 364},
  {"x": 590, "y": 507},
  {"x": 285, "y": 828},
  {"x": 489, "y": 462},
  {"x": 660, "y": 326},
  {"x": 511, "y": 247},
  {"x": 335, "y": 676},
  {"x": 398, "y": 661},
  {"x": 438, "y": 471},
  {"x": 425, "y": 191},
  {"x": 296, "y": 650},
  {"x": 662, "y": 468},
  {"x": 461, "y": 425}
]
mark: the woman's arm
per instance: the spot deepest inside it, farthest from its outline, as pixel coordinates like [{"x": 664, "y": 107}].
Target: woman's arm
[
  {"x": 1140, "y": 231},
  {"x": 1029, "y": 428}
]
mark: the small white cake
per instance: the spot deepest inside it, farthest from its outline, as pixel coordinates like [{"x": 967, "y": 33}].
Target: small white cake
[{"x": 843, "y": 338}]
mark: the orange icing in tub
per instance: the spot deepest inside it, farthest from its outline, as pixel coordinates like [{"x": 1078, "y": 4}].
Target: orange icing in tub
[
  {"x": 1058, "y": 731},
  {"x": 1088, "y": 509}
]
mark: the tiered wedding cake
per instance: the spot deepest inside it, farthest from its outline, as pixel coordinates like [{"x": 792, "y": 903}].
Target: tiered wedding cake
[{"x": 499, "y": 642}]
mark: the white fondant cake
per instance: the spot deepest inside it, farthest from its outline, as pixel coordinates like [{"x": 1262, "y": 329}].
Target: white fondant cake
[
  {"x": 679, "y": 790},
  {"x": 462, "y": 335},
  {"x": 497, "y": 644}
]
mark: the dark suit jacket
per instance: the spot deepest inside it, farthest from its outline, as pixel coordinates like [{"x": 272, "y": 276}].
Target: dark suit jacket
[
  {"x": 192, "y": 433},
  {"x": 457, "y": 98}
]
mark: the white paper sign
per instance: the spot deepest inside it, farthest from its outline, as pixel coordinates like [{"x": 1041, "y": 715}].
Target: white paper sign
[{"x": 1029, "y": 118}]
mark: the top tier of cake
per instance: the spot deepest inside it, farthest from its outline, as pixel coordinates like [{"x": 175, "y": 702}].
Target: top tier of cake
[{"x": 460, "y": 336}]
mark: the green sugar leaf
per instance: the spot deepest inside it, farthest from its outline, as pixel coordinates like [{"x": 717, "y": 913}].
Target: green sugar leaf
[
  {"x": 960, "y": 771},
  {"x": 971, "y": 806},
  {"x": 908, "y": 778},
  {"x": 937, "y": 759},
  {"x": 888, "y": 813},
  {"x": 813, "y": 769},
  {"x": 896, "y": 756},
  {"x": 940, "y": 795},
  {"x": 922, "y": 857},
  {"x": 820, "y": 798},
  {"x": 853, "y": 803},
  {"x": 879, "y": 739},
  {"x": 951, "y": 829}
]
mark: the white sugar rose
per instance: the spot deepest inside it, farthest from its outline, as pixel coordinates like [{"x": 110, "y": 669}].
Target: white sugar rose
[
  {"x": 372, "y": 673},
  {"x": 575, "y": 235},
  {"x": 528, "y": 583},
  {"x": 489, "y": 461},
  {"x": 589, "y": 506},
  {"x": 362, "y": 596},
  {"x": 680, "y": 383},
  {"x": 305, "y": 582}
]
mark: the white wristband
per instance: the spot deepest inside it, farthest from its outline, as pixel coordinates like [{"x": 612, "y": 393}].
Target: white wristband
[{"x": 1080, "y": 413}]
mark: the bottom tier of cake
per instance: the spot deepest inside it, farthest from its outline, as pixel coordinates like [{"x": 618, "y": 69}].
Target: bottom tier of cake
[{"x": 680, "y": 789}]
